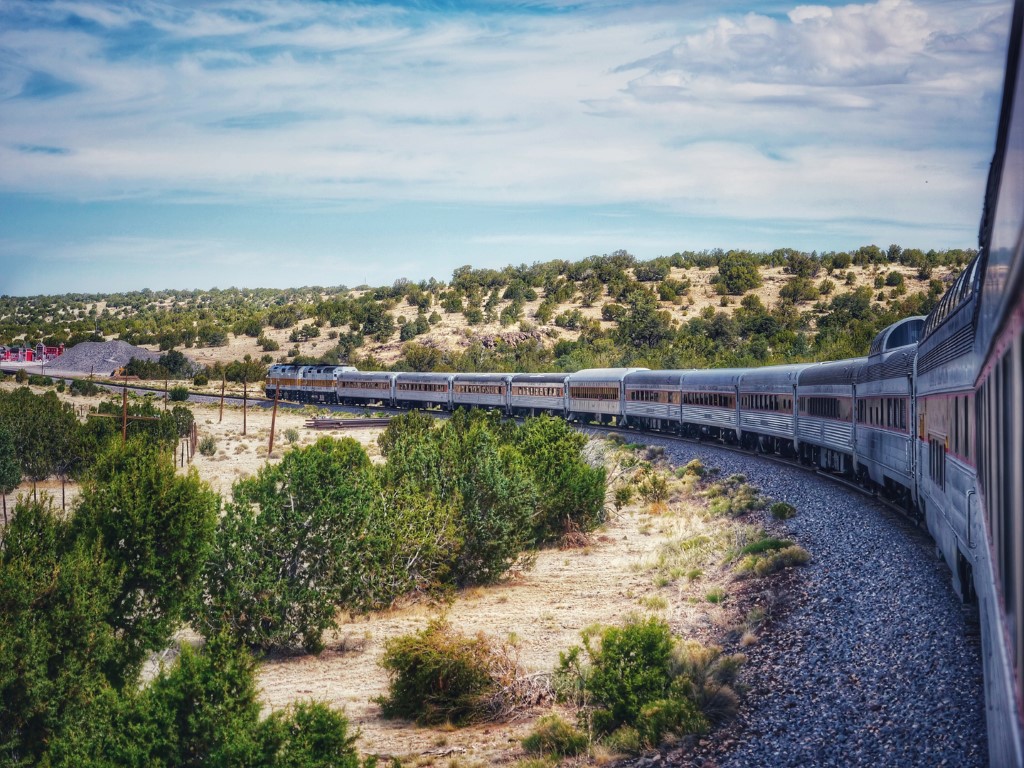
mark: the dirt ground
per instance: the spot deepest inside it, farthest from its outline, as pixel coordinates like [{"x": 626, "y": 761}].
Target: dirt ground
[{"x": 540, "y": 611}]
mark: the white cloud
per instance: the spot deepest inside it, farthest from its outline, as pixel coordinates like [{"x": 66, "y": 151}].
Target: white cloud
[{"x": 814, "y": 112}]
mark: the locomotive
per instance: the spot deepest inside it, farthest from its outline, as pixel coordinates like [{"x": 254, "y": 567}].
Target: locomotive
[{"x": 932, "y": 418}]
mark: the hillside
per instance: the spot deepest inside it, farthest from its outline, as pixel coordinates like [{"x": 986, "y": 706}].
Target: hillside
[{"x": 693, "y": 309}]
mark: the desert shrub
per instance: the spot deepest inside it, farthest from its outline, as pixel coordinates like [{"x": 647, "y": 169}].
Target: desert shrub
[
  {"x": 83, "y": 387},
  {"x": 630, "y": 678},
  {"x": 653, "y": 488},
  {"x": 207, "y": 445},
  {"x": 623, "y": 496},
  {"x": 772, "y": 559},
  {"x": 21, "y": 376},
  {"x": 733, "y": 496},
  {"x": 183, "y": 419},
  {"x": 782, "y": 511},
  {"x": 309, "y": 735},
  {"x": 439, "y": 675},
  {"x": 36, "y": 380},
  {"x": 289, "y": 548},
  {"x": 291, "y": 435},
  {"x": 201, "y": 379},
  {"x": 766, "y": 544},
  {"x": 178, "y": 394},
  {"x": 613, "y": 311},
  {"x": 570, "y": 493},
  {"x": 711, "y": 677},
  {"x": 554, "y": 736},
  {"x": 156, "y": 527},
  {"x": 204, "y": 710},
  {"x": 268, "y": 344},
  {"x": 694, "y": 468}
]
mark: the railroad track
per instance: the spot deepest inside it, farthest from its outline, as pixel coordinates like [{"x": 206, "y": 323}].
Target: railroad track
[{"x": 329, "y": 423}]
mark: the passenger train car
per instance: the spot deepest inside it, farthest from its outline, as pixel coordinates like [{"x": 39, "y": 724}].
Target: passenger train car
[{"x": 932, "y": 418}]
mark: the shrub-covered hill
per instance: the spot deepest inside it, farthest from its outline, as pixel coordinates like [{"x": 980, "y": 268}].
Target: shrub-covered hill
[{"x": 712, "y": 308}]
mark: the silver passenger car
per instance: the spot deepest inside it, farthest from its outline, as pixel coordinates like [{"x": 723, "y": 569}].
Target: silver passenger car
[
  {"x": 424, "y": 390},
  {"x": 709, "y": 406},
  {"x": 533, "y": 393},
  {"x": 885, "y": 411},
  {"x": 767, "y": 407},
  {"x": 366, "y": 387},
  {"x": 653, "y": 400},
  {"x": 825, "y": 427},
  {"x": 481, "y": 390},
  {"x": 596, "y": 394}
]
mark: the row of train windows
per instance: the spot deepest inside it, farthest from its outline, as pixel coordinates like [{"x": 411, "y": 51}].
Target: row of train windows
[
  {"x": 419, "y": 386},
  {"x": 479, "y": 389},
  {"x": 594, "y": 393},
  {"x": 365, "y": 384},
  {"x": 767, "y": 403},
  {"x": 714, "y": 399},
  {"x": 1000, "y": 422},
  {"x": 652, "y": 396},
  {"x": 531, "y": 390},
  {"x": 950, "y": 416},
  {"x": 888, "y": 412},
  {"x": 826, "y": 407}
]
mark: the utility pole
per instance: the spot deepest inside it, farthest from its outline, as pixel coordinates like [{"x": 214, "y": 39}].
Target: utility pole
[
  {"x": 124, "y": 409},
  {"x": 223, "y": 384}
]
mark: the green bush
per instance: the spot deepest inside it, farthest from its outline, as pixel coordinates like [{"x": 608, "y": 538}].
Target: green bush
[
  {"x": 289, "y": 548},
  {"x": 438, "y": 675},
  {"x": 83, "y": 387},
  {"x": 178, "y": 394},
  {"x": 630, "y": 678},
  {"x": 291, "y": 435},
  {"x": 782, "y": 511},
  {"x": 553, "y": 736},
  {"x": 207, "y": 445},
  {"x": 200, "y": 379}
]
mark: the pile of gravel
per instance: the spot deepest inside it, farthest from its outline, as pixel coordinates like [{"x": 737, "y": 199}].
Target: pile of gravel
[{"x": 99, "y": 357}]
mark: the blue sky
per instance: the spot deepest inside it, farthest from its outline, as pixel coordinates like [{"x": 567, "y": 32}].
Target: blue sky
[{"x": 279, "y": 143}]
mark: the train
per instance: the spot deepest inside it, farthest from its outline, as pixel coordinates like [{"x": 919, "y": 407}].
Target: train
[{"x": 931, "y": 418}]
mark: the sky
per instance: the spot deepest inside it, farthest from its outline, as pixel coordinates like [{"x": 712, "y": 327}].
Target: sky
[{"x": 286, "y": 143}]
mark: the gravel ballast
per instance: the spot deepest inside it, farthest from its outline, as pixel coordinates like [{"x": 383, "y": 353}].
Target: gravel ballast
[{"x": 872, "y": 661}]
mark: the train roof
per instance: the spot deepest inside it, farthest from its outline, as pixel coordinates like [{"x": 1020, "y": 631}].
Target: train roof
[
  {"x": 835, "y": 372},
  {"x": 771, "y": 374},
  {"x": 503, "y": 377},
  {"x": 602, "y": 374},
  {"x": 415, "y": 376},
  {"x": 355, "y": 375},
  {"x": 907, "y": 331},
  {"x": 540, "y": 378},
  {"x": 713, "y": 377},
  {"x": 656, "y": 378},
  {"x": 893, "y": 365}
]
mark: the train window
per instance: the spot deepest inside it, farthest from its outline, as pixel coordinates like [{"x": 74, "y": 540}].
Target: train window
[{"x": 937, "y": 461}]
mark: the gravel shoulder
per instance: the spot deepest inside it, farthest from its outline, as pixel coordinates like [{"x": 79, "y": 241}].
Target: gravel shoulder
[{"x": 872, "y": 662}]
